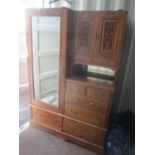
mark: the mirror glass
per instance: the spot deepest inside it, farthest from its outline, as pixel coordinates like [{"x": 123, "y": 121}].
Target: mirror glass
[
  {"x": 100, "y": 70},
  {"x": 46, "y": 50}
]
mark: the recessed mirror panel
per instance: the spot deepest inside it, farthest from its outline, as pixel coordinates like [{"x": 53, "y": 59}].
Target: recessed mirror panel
[{"x": 46, "y": 51}]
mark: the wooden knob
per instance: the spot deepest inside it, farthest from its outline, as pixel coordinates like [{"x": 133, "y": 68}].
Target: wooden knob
[
  {"x": 54, "y": 120},
  {"x": 91, "y": 103},
  {"x": 71, "y": 127},
  {"x": 92, "y": 135}
]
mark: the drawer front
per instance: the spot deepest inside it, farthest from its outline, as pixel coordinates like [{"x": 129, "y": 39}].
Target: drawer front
[
  {"x": 84, "y": 115},
  {"x": 46, "y": 118},
  {"x": 98, "y": 94},
  {"x": 83, "y": 131},
  {"x": 87, "y": 104},
  {"x": 74, "y": 88}
]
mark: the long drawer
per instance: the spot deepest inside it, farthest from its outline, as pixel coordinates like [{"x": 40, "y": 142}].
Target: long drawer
[
  {"x": 87, "y": 133},
  {"x": 46, "y": 118},
  {"x": 82, "y": 90},
  {"x": 98, "y": 94},
  {"x": 84, "y": 115},
  {"x": 88, "y": 104}
]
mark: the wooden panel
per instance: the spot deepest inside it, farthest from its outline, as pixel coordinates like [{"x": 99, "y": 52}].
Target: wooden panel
[
  {"x": 87, "y": 104},
  {"x": 84, "y": 132},
  {"x": 98, "y": 94},
  {"x": 98, "y": 35},
  {"x": 84, "y": 24},
  {"x": 109, "y": 38},
  {"x": 84, "y": 115},
  {"x": 46, "y": 118}
]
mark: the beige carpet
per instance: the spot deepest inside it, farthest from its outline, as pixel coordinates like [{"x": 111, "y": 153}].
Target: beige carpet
[{"x": 34, "y": 141}]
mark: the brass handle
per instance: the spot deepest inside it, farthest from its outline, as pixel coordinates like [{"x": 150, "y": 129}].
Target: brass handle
[{"x": 74, "y": 112}]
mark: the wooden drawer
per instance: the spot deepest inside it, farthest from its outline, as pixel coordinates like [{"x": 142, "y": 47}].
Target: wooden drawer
[
  {"x": 46, "y": 118},
  {"x": 74, "y": 88},
  {"x": 87, "y": 104},
  {"x": 85, "y": 132},
  {"x": 98, "y": 94},
  {"x": 84, "y": 115}
]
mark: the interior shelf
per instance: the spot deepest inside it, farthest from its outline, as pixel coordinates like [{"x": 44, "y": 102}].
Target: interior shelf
[{"x": 91, "y": 81}]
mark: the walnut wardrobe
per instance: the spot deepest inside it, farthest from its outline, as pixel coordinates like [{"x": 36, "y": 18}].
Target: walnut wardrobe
[{"x": 73, "y": 59}]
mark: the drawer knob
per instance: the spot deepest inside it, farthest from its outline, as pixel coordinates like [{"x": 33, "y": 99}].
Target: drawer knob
[
  {"x": 92, "y": 135},
  {"x": 75, "y": 112},
  {"x": 98, "y": 121},
  {"x": 91, "y": 103},
  {"x": 54, "y": 120},
  {"x": 71, "y": 127}
]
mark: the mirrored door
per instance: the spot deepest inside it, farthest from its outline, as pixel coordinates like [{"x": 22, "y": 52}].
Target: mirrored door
[{"x": 46, "y": 55}]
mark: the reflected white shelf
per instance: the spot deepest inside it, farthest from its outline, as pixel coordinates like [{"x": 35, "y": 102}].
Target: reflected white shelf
[
  {"x": 49, "y": 74},
  {"x": 51, "y": 100},
  {"x": 50, "y": 52},
  {"x": 48, "y": 91},
  {"x": 48, "y": 28}
]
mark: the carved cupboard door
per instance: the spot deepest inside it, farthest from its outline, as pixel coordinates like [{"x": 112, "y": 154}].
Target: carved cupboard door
[
  {"x": 84, "y": 27},
  {"x": 109, "y": 38}
]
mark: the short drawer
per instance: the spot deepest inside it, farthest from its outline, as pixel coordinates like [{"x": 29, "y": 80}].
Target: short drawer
[
  {"x": 98, "y": 94},
  {"x": 87, "y": 104},
  {"x": 84, "y": 115},
  {"x": 46, "y": 118},
  {"x": 85, "y": 132},
  {"x": 74, "y": 88}
]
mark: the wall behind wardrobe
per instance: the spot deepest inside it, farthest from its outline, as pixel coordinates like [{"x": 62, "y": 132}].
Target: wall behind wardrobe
[{"x": 124, "y": 98}]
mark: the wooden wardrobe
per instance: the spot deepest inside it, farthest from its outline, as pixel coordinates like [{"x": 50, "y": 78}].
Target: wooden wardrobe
[{"x": 73, "y": 59}]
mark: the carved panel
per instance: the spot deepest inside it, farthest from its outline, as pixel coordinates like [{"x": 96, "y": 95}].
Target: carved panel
[
  {"x": 84, "y": 34},
  {"x": 108, "y": 35}
]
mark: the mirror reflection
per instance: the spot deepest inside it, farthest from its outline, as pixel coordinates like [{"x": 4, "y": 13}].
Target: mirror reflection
[{"x": 46, "y": 50}]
